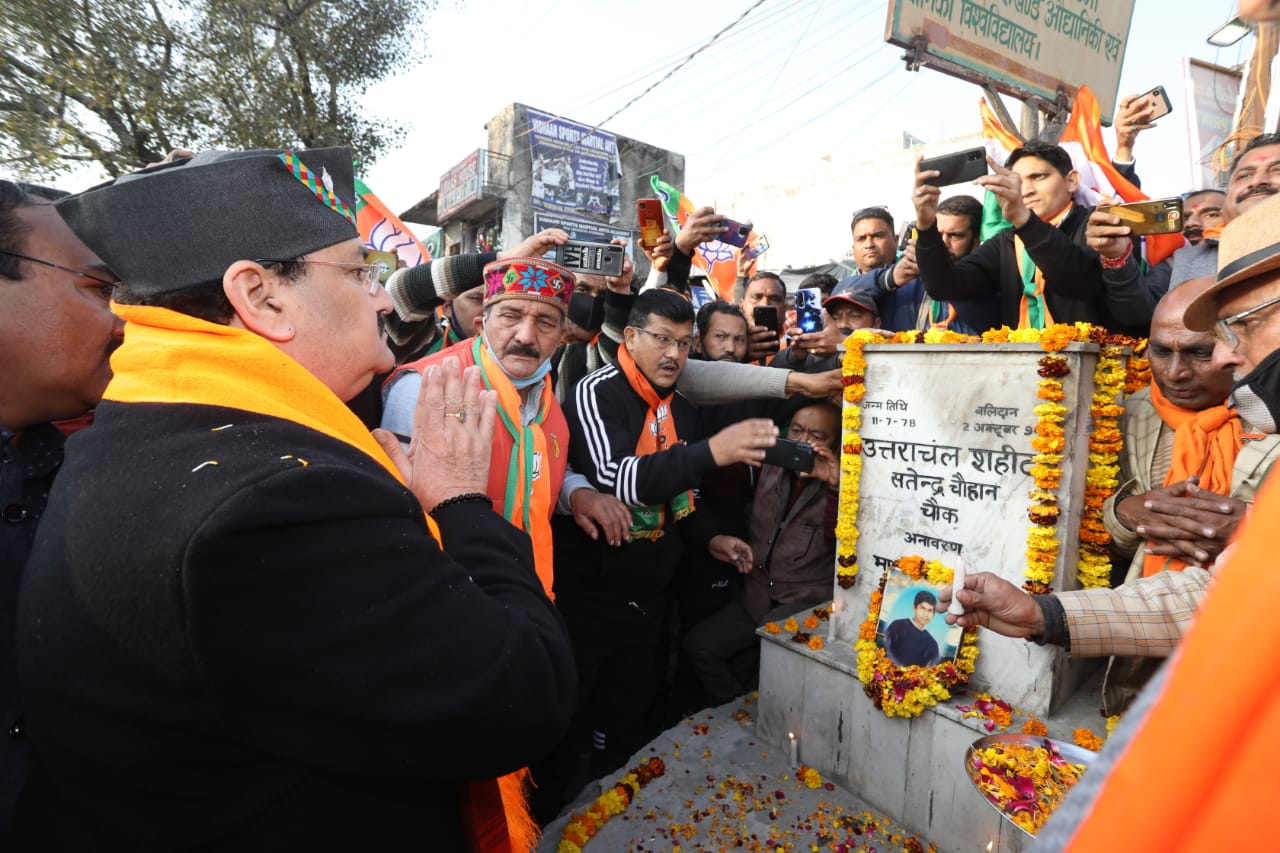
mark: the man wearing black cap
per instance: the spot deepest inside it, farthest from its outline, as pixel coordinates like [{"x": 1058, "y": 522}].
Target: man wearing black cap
[
  {"x": 238, "y": 627},
  {"x": 851, "y": 306}
]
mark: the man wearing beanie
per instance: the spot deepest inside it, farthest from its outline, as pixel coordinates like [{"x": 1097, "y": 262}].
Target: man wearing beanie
[{"x": 239, "y": 628}]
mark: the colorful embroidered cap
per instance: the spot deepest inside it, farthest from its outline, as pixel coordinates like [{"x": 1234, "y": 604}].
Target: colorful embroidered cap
[
  {"x": 182, "y": 224},
  {"x": 528, "y": 278}
]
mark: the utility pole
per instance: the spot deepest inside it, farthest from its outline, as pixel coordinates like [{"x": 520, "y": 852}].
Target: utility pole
[{"x": 1257, "y": 82}]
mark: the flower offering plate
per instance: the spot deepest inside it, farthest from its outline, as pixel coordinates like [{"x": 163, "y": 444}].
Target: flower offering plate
[{"x": 1024, "y": 777}]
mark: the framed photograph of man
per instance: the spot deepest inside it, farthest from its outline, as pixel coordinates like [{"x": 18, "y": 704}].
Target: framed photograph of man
[{"x": 911, "y": 630}]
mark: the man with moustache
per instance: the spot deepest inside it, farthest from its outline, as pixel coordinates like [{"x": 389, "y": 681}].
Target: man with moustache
[
  {"x": 1254, "y": 177},
  {"x": 56, "y": 332},
  {"x": 1201, "y": 213},
  {"x": 792, "y": 537},
  {"x": 420, "y": 325},
  {"x": 722, "y": 332},
  {"x": 521, "y": 326},
  {"x": 239, "y": 628}
]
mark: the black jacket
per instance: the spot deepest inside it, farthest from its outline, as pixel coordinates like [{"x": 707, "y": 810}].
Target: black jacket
[
  {"x": 1073, "y": 284},
  {"x": 270, "y": 652},
  {"x": 606, "y": 418}
]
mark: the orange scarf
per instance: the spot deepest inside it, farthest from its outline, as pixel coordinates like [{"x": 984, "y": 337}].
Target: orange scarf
[
  {"x": 1200, "y": 772},
  {"x": 658, "y": 434},
  {"x": 1205, "y": 445},
  {"x": 1033, "y": 312},
  {"x": 527, "y": 500},
  {"x": 168, "y": 357}
]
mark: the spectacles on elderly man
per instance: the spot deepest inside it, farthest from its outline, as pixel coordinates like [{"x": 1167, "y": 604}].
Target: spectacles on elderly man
[
  {"x": 1223, "y": 332},
  {"x": 368, "y": 274}
]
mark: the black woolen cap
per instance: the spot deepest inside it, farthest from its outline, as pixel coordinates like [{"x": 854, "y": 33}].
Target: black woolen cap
[{"x": 182, "y": 224}]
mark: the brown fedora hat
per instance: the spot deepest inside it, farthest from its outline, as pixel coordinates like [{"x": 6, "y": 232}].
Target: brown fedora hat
[{"x": 1250, "y": 246}]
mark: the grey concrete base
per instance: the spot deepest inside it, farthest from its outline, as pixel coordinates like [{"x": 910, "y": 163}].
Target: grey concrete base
[
  {"x": 910, "y": 769},
  {"x": 693, "y": 804}
]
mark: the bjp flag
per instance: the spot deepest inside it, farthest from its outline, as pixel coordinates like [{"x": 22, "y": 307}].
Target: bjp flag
[
  {"x": 717, "y": 259},
  {"x": 382, "y": 231}
]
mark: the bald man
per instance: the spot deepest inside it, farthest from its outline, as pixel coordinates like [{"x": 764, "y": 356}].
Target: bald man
[{"x": 1190, "y": 466}]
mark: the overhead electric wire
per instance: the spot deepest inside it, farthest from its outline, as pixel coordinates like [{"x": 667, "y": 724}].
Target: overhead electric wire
[{"x": 687, "y": 60}]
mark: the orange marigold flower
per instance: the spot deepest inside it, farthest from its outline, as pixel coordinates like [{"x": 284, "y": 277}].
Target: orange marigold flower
[
  {"x": 1087, "y": 739},
  {"x": 791, "y": 626},
  {"x": 1035, "y": 727},
  {"x": 772, "y": 628},
  {"x": 811, "y": 622},
  {"x": 911, "y": 564},
  {"x": 815, "y": 643}
]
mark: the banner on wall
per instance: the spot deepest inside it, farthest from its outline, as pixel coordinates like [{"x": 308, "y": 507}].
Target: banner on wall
[{"x": 575, "y": 169}]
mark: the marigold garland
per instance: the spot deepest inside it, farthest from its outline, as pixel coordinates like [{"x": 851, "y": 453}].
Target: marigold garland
[
  {"x": 582, "y": 827},
  {"x": 853, "y": 379},
  {"x": 905, "y": 691},
  {"x": 1093, "y": 563},
  {"x": 1111, "y": 379}
]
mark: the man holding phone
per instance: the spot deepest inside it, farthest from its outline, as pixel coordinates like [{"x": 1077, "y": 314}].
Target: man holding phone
[
  {"x": 1254, "y": 177},
  {"x": 763, "y": 302},
  {"x": 851, "y": 306},
  {"x": 793, "y": 518},
  {"x": 634, "y": 437},
  {"x": 1041, "y": 270}
]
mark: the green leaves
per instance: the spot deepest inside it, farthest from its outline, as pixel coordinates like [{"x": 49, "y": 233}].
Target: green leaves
[{"x": 121, "y": 82}]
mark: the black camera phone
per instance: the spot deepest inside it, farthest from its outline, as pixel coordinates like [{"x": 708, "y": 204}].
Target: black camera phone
[
  {"x": 957, "y": 168},
  {"x": 792, "y": 455},
  {"x": 767, "y": 316}
]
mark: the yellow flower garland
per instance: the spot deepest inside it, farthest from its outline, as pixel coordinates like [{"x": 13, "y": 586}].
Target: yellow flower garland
[
  {"x": 582, "y": 827},
  {"x": 905, "y": 691},
  {"x": 854, "y": 382}
]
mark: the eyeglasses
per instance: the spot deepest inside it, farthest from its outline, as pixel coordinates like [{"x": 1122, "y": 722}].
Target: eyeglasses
[
  {"x": 106, "y": 283},
  {"x": 1223, "y": 332},
  {"x": 369, "y": 274},
  {"x": 664, "y": 342}
]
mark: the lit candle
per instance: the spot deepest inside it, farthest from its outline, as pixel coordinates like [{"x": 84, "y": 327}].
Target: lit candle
[
  {"x": 831, "y": 621},
  {"x": 957, "y": 584},
  {"x": 990, "y": 844},
  {"x": 795, "y": 762}
]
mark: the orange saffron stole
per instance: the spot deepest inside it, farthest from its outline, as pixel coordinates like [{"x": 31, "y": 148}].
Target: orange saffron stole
[
  {"x": 658, "y": 435},
  {"x": 1033, "y": 312},
  {"x": 526, "y": 500},
  {"x": 168, "y": 357},
  {"x": 1205, "y": 444}
]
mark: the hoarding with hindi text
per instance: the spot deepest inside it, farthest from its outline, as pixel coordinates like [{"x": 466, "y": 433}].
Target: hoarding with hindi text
[{"x": 1025, "y": 47}]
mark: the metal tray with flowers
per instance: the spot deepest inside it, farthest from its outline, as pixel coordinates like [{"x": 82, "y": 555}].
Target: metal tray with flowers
[{"x": 1024, "y": 777}]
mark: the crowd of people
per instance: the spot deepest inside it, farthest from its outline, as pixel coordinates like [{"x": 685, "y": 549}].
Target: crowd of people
[{"x": 327, "y": 563}]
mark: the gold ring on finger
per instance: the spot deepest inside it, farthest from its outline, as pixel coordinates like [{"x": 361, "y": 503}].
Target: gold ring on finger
[{"x": 460, "y": 415}]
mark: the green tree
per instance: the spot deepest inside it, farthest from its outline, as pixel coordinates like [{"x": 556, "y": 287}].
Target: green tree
[{"x": 121, "y": 82}]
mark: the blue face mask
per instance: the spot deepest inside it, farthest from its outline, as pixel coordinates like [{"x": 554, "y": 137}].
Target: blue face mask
[{"x": 520, "y": 384}]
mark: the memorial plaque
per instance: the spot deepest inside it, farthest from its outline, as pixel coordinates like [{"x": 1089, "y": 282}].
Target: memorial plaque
[{"x": 946, "y": 459}]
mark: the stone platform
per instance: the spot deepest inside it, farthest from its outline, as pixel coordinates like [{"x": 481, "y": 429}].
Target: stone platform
[
  {"x": 725, "y": 789},
  {"x": 911, "y": 770}
]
